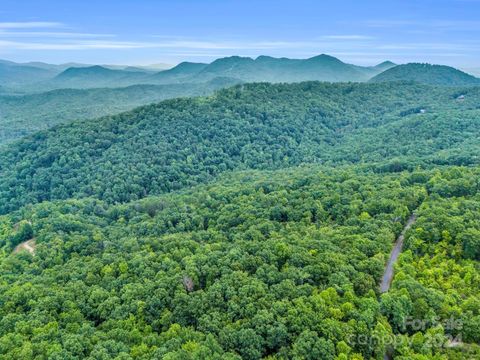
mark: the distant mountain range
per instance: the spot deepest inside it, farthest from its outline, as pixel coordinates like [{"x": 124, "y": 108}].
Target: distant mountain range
[
  {"x": 37, "y": 76},
  {"x": 33, "y": 75},
  {"x": 41, "y": 76},
  {"x": 263, "y": 68},
  {"x": 36, "y": 95},
  {"x": 13, "y": 74},
  {"x": 427, "y": 74},
  {"x": 96, "y": 76}
]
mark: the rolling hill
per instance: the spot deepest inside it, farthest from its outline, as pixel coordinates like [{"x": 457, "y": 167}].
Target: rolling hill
[
  {"x": 39, "y": 76},
  {"x": 182, "y": 142},
  {"x": 263, "y": 68},
  {"x": 245, "y": 69},
  {"x": 24, "y": 114},
  {"x": 96, "y": 77},
  {"x": 15, "y": 75},
  {"x": 180, "y": 73},
  {"x": 427, "y": 74},
  {"x": 46, "y": 96},
  {"x": 385, "y": 66}
]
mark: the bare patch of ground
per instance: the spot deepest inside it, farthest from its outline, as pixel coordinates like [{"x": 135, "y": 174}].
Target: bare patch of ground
[{"x": 28, "y": 245}]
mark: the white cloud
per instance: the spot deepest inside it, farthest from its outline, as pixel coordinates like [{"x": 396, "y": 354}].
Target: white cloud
[
  {"x": 75, "y": 44},
  {"x": 50, "y": 34},
  {"x": 30, "y": 25},
  {"x": 71, "y": 45}
]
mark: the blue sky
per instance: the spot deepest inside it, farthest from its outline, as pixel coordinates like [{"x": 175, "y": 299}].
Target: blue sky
[{"x": 146, "y": 31}]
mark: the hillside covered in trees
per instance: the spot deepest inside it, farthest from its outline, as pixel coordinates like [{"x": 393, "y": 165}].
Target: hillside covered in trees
[
  {"x": 36, "y": 96},
  {"x": 44, "y": 95},
  {"x": 427, "y": 74},
  {"x": 23, "y": 114},
  {"x": 253, "y": 223},
  {"x": 281, "y": 264},
  {"x": 183, "y": 142},
  {"x": 239, "y": 180}
]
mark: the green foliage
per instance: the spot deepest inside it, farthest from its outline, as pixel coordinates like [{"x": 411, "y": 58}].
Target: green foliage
[
  {"x": 183, "y": 142},
  {"x": 22, "y": 115},
  {"x": 106, "y": 281},
  {"x": 271, "y": 256},
  {"x": 470, "y": 239},
  {"x": 24, "y": 232},
  {"x": 438, "y": 276}
]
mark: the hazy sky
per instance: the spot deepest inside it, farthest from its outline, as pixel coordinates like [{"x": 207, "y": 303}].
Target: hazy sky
[{"x": 147, "y": 31}]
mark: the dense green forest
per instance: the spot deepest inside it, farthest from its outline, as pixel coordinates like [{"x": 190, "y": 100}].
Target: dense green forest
[
  {"x": 281, "y": 264},
  {"x": 24, "y": 114},
  {"x": 183, "y": 142},
  {"x": 36, "y": 96},
  {"x": 438, "y": 277},
  {"x": 251, "y": 223}
]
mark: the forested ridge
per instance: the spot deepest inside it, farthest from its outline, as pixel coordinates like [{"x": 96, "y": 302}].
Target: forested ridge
[
  {"x": 427, "y": 74},
  {"x": 36, "y": 96},
  {"x": 182, "y": 142},
  {"x": 253, "y": 223}
]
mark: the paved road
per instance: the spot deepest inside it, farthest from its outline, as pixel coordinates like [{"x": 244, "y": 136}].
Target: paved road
[
  {"x": 388, "y": 274},
  {"x": 397, "y": 249}
]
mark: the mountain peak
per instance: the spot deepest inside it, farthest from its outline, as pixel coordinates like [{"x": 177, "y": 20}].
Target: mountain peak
[
  {"x": 427, "y": 74},
  {"x": 232, "y": 59},
  {"x": 385, "y": 65},
  {"x": 186, "y": 66},
  {"x": 95, "y": 69},
  {"x": 229, "y": 64},
  {"x": 265, "y": 58},
  {"x": 325, "y": 59}
]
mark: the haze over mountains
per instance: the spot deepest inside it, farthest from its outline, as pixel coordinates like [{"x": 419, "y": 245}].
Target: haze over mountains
[
  {"x": 36, "y": 96},
  {"x": 36, "y": 76},
  {"x": 263, "y": 68},
  {"x": 24, "y": 114},
  {"x": 18, "y": 75}
]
